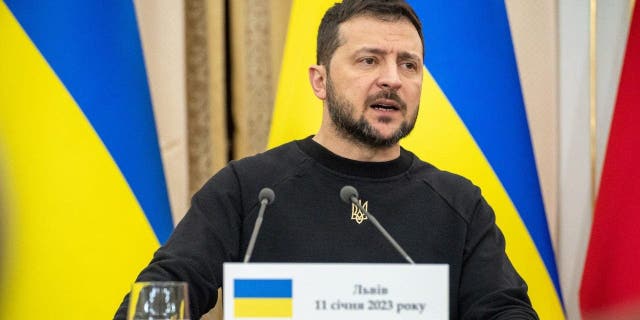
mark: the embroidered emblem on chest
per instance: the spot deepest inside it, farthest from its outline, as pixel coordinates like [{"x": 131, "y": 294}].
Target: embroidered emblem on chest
[{"x": 357, "y": 214}]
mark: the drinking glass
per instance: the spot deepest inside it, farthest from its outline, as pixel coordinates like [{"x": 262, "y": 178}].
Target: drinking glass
[{"x": 159, "y": 301}]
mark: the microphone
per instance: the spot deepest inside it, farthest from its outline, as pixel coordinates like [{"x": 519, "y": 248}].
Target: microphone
[
  {"x": 266, "y": 196},
  {"x": 349, "y": 194}
]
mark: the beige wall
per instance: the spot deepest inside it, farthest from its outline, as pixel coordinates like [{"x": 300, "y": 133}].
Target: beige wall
[
  {"x": 161, "y": 25},
  {"x": 533, "y": 25}
]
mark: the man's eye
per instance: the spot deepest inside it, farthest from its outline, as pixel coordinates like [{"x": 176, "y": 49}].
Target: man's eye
[
  {"x": 368, "y": 60},
  {"x": 410, "y": 66}
]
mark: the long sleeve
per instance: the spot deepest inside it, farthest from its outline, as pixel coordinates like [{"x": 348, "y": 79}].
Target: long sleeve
[{"x": 490, "y": 288}]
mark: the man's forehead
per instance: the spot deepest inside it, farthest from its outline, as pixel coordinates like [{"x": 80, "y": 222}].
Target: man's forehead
[
  {"x": 377, "y": 19},
  {"x": 359, "y": 27}
]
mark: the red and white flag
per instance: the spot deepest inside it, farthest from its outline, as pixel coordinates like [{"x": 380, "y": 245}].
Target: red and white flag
[{"x": 611, "y": 281}]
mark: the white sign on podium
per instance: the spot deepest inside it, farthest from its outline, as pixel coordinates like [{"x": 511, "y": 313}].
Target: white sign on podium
[{"x": 335, "y": 291}]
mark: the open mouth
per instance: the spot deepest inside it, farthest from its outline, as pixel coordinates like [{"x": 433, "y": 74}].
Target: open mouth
[
  {"x": 384, "y": 107},
  {"x": 388, "y": 105}
]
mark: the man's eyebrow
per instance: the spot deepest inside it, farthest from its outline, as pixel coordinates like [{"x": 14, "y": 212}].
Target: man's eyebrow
[
  {"x": 409, "y": 56},
  {"x": 371, "y": 50},
  {"x": 379, "y": 51}
]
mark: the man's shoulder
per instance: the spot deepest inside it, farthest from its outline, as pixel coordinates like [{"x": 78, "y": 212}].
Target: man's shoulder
[
  {"x": 282, "y": 155},
  {"x": 457, "y": 190},
  {"x": 249, "y": 174},
  {"x": 440, "y": 179},
  {"x": 273, "y": 162}
]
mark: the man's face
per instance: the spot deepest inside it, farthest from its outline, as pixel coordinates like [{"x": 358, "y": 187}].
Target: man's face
[{"x": 374, "y": 82}]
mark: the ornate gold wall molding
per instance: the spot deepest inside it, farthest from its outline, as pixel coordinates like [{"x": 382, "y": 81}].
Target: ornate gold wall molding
[
  {"x": 252, "y": 91},
  {"x": 197, "y": 75},
  {"x": 206, "y": 89},
  {"x": 217, "y": 48}
]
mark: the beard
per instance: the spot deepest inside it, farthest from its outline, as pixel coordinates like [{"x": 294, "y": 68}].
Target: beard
[{"x": 360, "y": 130}]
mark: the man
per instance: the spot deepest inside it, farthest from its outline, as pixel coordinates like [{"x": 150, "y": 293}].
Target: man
[{"x": 369, "y": 76}]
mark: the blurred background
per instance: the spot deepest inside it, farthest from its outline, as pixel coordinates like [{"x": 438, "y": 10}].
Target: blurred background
[{"x": 213, "y": 71}]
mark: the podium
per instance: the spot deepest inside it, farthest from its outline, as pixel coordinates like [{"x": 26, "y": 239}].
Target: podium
[{"x": 335, "y": 291}]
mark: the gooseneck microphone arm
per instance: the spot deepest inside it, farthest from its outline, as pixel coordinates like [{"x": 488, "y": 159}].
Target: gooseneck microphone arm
[
  {"x": 266, "y": 196},
  {"x": 349, "y": 194}
]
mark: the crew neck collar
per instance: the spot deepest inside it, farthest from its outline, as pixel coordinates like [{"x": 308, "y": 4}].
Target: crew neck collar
[{"x": 353, "y": 167}]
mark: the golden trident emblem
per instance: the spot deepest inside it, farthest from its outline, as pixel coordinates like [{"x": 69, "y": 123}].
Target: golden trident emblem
[{"x": 357, "y": 214}]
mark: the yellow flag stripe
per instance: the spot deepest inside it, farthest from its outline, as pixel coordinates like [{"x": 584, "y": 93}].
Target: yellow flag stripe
[
  {"x": 77, "y": 234},
  {"x": 244, "y": 307},
  {"x": 296, "y": 110}
]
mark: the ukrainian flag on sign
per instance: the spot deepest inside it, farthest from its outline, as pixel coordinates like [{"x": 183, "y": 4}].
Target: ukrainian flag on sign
[
  {"x": 472, "y": 121},
  {"x": 86, "y": 200},
  {"x": 262, "y": 298}
]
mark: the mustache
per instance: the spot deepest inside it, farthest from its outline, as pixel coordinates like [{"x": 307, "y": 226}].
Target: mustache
[{"x": 386, "y": 94}]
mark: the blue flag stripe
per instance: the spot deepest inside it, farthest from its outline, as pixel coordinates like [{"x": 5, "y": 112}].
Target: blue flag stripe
[
  {"x": 95, "y": 50},
  {"x": 469, "y": 52},
  {"x": 262, "y": 288}
]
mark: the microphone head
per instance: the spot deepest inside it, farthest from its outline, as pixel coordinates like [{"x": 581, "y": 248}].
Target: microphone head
[
  {"x": 266, "y": 194},
  {"x": 348, "y": 192}
]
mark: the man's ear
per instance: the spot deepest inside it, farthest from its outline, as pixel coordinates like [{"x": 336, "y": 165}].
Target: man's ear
[{"x": 318, "y": 80}]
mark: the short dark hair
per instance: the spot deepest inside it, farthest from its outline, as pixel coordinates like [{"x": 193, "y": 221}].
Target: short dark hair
[{"x": 328, "y": 32}]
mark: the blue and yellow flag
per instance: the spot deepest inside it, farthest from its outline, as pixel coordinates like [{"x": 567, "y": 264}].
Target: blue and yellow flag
[
  {"x": 85, "y": 200},
  {"x": 472, "y": 121},
  {"x": 263, "y": 298}
]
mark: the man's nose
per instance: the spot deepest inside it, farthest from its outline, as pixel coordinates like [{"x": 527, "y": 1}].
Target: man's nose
[{"x": 389, "y": 77}]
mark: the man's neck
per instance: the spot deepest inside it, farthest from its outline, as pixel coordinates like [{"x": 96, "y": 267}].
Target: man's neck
[{"x": 353, "y": 150}]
